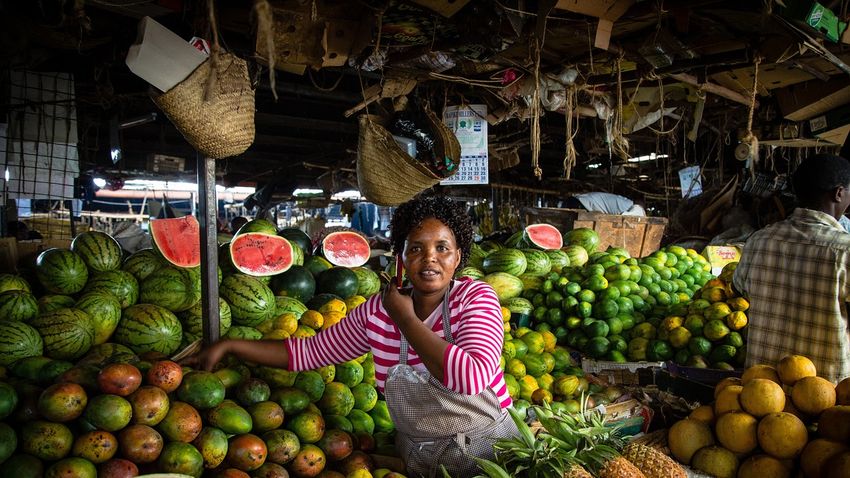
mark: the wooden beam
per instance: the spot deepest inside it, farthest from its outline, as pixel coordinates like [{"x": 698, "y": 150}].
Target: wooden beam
[{"x": 713, "y": 88}]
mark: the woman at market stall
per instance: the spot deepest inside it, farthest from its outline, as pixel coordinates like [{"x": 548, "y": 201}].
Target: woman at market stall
[{"x": 436, "y": 345}]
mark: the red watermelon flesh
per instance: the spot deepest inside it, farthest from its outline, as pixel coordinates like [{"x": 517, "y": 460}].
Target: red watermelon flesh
[
  {"x": 346, "y": 249},
  {"x": 260, "y": 254},
  {"x": 544, "y": 236},
  {"x": 178, "y": 240}
]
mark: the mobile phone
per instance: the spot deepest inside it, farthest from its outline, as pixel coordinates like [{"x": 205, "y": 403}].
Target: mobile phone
[{"x": 399, "y": 270}]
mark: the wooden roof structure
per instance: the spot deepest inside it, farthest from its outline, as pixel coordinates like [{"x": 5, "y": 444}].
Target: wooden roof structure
[{"x": 607, "y": 66}]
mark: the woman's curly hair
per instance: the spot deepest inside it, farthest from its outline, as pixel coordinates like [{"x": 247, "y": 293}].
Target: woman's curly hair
[{"x": 452, "y": 213}]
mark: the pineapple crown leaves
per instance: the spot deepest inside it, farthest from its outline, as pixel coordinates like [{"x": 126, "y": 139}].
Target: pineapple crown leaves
[{"x": 542, "y": 456}]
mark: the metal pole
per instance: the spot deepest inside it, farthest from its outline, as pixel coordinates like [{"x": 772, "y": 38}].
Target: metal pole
[{"x": 208, "y": 218}]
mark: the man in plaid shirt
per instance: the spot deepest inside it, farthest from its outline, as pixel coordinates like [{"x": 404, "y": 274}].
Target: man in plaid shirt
[{"x": 795, "y": 275}]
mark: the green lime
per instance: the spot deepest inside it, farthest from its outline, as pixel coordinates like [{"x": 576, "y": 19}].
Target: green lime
[
  {"x": 554, "y": 317},
  {"x": 699, "y": 346},
  {"x": 618, "y": 343},
  {"x": 553, "y": 299},
  {"x": 596, "y": 328},
  {"x": 734, "y": 339},
  {"x": 615, "y": 356},
  {"x": 605, "y": 309},
  {"x": 573, "y": 322},
  {"x": 614, "y": 325},
  {"x": 597, "y": 347},
  {"x": 585, "y": 295},
  {"x": 569, "y": 303},
  {"x": 573, "y": 288},
  {"x": 584, "y": 309},
  {"x": 659, "y": 351}
]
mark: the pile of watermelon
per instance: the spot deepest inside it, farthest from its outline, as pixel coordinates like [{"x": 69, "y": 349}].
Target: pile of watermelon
[{"x": 77, "y": 330}]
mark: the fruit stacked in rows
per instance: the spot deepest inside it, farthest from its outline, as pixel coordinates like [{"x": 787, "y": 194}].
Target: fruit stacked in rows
[
  {"x": 711, "y": 333},
  {"x": 160, "y": 417},
  {"x": 608, "y": 305},
  {"x": 773, "y": 421}
]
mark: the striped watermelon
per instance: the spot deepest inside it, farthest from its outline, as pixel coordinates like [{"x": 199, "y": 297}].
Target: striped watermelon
[
  {"x": 506, "y": 286},
  {"x": 559, "y": 260},
  {"x": 470, "y": 272},
  {"x": 289, "y": 305},
  {"x": 537, "y": 262},
  {"x": 243, "y": 333},
  {"x": 368, "y": 282},
  {"x": 119, "y": 283},
  {"x": 52, "y": 302},
  {"x": 577, "y": 254},
  {"x": 105, "y": 312},
  {"x": 511, "y": 261},
  {"x": 171, "y": 288},
  {"x": 17, "y": 341},
  {"x": 13, "y": 282},
  {"x": 257, "y": 225},
  {"x": 476, "y": 256},
  {"x": 98, "y": 250},
  {"x": 61, "y": 271},
  {"x": 104, "y": 354},
  {"x": 192, "y": 319},
  {"x": 149, "y": 328},
  {"x": 68, "y": 333},
  {"x": 297, "y": 253},
  {"x": 142, "y": 263},
  {"x": 251, "y": 301},
  {"x": 18, "y": 306}
]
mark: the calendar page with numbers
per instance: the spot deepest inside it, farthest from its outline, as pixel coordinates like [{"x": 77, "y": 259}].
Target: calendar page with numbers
[{"x": 470, "y": 127}]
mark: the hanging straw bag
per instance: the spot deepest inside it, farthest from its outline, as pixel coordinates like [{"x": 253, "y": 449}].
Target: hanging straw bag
[
  {"x": 213, "y": 107},
  {"x": 386, "y": 174}
]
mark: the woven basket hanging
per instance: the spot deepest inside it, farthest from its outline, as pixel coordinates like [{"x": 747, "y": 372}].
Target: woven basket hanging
[
  {"x": 221, "y": 125},
  {"x": 386, "y": 174}
]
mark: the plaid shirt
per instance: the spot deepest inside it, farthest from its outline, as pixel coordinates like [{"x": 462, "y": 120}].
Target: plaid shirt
[{"x": 795, "y": 274}]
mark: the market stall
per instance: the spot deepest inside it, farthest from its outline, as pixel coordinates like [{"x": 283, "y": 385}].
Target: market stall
[{"x": 560, "y": 191}]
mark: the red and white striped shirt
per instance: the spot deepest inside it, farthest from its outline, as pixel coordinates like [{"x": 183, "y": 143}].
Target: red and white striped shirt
[{"x": 470, "y": 365}]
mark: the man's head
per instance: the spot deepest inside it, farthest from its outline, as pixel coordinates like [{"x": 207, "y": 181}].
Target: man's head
[{"x": 822, "y": 182}]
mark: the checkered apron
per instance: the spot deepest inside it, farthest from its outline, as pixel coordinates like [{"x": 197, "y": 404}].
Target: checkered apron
[{"x": 437, "y": 426}]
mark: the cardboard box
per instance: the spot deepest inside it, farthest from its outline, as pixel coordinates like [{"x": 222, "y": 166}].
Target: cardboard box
[{"x": 719, "y": 256}]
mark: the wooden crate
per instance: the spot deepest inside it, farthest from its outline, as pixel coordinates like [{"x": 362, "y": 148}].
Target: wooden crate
[{"x": 639, "y": 235}]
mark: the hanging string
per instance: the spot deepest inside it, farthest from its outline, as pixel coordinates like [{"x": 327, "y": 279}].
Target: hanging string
[
  {"x": 570, "y": 153},
  {"x": 214, "y": 53},
  {"x": 619, "y": 143},
  {"x": 751, "y": 138},
  {"x": 535, "y": 112},
  {"x": 265, "y": 30}
]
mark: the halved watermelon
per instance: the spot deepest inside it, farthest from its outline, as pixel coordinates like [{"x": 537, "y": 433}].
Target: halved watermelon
[
  {"x": 346, "y": 249},
  {"x": 543, "y": 236},
  {"x": 259, "y": 254},
  {"x": 178, "y": 240}
]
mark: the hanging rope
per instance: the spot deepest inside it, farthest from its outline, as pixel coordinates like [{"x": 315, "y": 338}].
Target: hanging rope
[
  {"x": 535, "y": 113},
  {"x": 265, "y": 30},
  {"x": 214, "y": 52},
  {"x": 751, "y": 138},
  {"x": 570, "y": 153},
  {"x": 619, "y": 143}
]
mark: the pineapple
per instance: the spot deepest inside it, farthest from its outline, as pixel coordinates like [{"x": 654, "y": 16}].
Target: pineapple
[
  {"x": 620, "y": 467},
  {"x": 595, "y": 444},
  {"x": 652, "y": 462},
  {"x": 576, "y": 471}
]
